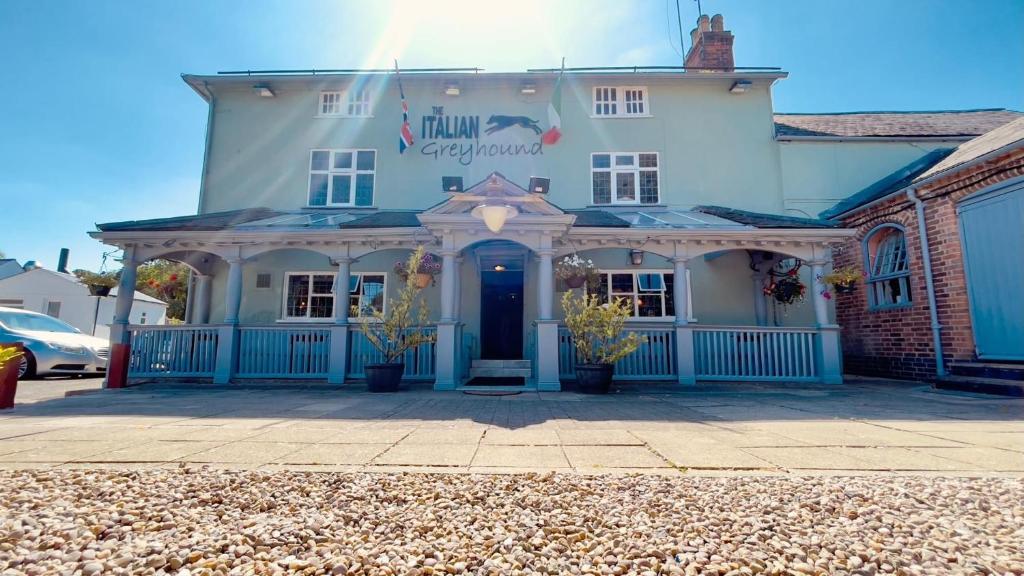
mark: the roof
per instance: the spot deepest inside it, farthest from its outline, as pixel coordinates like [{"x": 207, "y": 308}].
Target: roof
[
  {"x": 597, "y": 219},
  {"x": 894, "y": 182},
  {"x": 197, "y": 222},
  {"x": 1007, "y": 135},
  {"x": 760, "y": 220},
  {"x": 385, "y": 219},
  {"x": 935, "y": 124}
]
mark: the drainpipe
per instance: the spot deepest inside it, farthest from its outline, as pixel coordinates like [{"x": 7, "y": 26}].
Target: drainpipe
[{"x": 926, "y": 258}]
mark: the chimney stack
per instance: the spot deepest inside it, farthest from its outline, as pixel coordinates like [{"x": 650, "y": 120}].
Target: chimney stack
[
  {"x": 710, "y": 46},
  {"x": 62, "y": 262}
]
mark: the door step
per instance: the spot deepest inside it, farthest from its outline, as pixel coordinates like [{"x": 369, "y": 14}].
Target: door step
[
  {"x": 500, "y": 369},
  {"x": 1002, "y": 371},
  {"x": 996, "y": 386}
]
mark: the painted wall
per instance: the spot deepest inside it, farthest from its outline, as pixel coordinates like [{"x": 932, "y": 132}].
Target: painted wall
[
  {"x": 817, "y": 175},
  {"x": 37, "y": 288},
  {"x": 715, "y": 147}
]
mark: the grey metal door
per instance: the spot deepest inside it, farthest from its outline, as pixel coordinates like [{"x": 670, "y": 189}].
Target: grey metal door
[{"x": 992, "y": 229}]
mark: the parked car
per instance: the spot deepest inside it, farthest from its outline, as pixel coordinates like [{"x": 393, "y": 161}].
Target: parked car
[{"x": 52, "y": 347}]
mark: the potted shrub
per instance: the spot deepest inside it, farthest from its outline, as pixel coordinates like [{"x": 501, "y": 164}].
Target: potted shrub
[
  {"x": 99, "y": 284},
  {"x": 575, "y": 271},
  {"x": 843, "y": 280},
  {"x": 10, "y": 362},
  {"x": 398, "y": 329},
  {"x": 428, "y": 268},
  {"x": 596, "y": 330}
]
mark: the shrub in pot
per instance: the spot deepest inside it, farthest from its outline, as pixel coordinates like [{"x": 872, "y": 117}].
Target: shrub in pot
[
  {"x": 398, "y": 329},
  {"x": 597, "y": 333}
]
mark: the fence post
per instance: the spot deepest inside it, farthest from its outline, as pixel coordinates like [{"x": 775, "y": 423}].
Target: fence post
[
  {"x": 337, "y": 365},
  {"x": 686, "y": 367},
  {"x": 227, "y": 353},
  {"x": 547, "y": 356},
  {"x": 830, "y": 355}
]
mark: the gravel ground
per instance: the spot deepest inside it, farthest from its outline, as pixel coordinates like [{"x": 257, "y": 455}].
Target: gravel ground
[{"x": 203, "y": 521}]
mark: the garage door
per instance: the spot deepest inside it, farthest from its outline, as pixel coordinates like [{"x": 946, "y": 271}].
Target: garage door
[{"x": 992, "y": 228}]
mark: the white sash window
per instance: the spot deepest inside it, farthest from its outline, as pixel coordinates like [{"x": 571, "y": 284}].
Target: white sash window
[{"x": 620, "y": 101}]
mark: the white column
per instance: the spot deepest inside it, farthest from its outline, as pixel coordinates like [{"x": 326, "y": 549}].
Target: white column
[
  {"x": 233, "y": 296},
  {"x": 125, "y": 298},
  {"x": 458, "y": 289},
  {"x": 446, "y": 363},
  {"x": 760, "y": 304},
  {"x": 686, "y": 372},
  {"x": 547, "y": 327},
  {"x": 201, "y": 300},
  {"x": 829, "y": 352},
  {"x": 190, "y": 298},
  {"x": 338, "y": 361}
]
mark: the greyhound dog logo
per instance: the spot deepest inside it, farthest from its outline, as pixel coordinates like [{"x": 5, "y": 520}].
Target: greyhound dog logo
[{"x": 498, "y": 123}]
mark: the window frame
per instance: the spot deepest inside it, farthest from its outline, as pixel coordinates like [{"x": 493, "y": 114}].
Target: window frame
[
  {"x": 331, "y": 171},
  {"x": 872, "y": 281},
  {"x": 285, "y": 318},
  {"x": 620, "y": 102},
  {"x": 636, "y": 291},
  {"x": 635, "y": 170},
  {"x": 345, "y": 100}
]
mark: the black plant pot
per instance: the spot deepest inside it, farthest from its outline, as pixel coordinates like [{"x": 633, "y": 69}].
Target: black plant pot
[
  {"x": 845, "y": 288},
  {"x": 594, "y": 378},
  {"x": 97, "y": 290},
  {"x": 383, "y": 377}
]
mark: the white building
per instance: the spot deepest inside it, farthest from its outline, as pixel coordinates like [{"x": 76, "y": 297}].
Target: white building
[{"x": 62, "y": 296}]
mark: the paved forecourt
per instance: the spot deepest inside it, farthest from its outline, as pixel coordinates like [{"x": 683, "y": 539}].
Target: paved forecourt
[{"x": 862, "y": 427}]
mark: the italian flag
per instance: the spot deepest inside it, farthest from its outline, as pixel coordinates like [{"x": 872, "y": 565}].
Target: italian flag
[{"x": 554, "y": 115}]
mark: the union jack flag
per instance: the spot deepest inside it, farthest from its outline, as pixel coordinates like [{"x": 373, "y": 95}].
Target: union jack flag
[{"x": 405, "y": 135}]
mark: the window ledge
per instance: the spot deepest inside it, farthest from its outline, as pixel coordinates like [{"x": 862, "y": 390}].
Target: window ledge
[{"x": 338, "y": 207}]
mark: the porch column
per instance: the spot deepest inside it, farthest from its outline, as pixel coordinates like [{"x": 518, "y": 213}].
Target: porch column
[
  {"x": 446, "y": 361},
  {"x": 829, "y": 353},
  {"x": 760, "y": 304},
  {"x": 547, "y": 326},
  {"x": 227, "y": 334},
  {"x": 338, "y": 362},
  {"x": 201, "y": 300},
  {"x": 190, "y": 298},
  {"x": 685, "y": 365},
  {"x": 120, "y": 337}
]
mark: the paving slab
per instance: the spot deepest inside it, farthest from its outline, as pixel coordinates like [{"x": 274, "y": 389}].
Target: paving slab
[
  {"x": 156, "y": 451},
  {"x": 445, "y": 436},
  {"x": 982, "y": 457},
  {"x": 902, "y": 459},
  {"x": 254, "y": 453},
  {"x": 521, "y": 437},
  {"x": 54, "y": 450},
  {"x": 613, "y": 457},
  {"x": 348, "y": 454},
  {"x": 1005, "y": 440},
  {"x": 613, "y": 437},
  {"x": 411, "y": 454},
  {"x": 810, "y": 458},
  {"x": 534, "y": 457}
]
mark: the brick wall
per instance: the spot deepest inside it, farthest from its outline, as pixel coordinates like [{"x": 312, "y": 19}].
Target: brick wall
[{"x": 898, "y": 342}]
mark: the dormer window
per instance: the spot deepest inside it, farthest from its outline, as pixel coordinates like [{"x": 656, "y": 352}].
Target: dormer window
[
  {"x": 352, "y": 103},
  {"x": 620, "y": 102}
]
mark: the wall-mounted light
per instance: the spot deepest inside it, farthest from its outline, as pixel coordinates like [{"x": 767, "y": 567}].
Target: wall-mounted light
[
  {"x": 494, "y": 217},
  {"x": 452, "y": 89},
  {"x": 499, "y": 268},
  {"x": 263, "y": 91},
  {"x": 636, "y": 257},
  {"x": 740, "y": 86},
  {"x": 527, "y": 88}
]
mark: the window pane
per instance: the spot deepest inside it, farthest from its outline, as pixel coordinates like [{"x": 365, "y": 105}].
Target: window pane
[
  {"x": 321, "y": 307},
  {"x": 670, "y": 300},
  {"x": 353, "y": 284},
  {"x": 649, "y": 282},
  {"x": 341, "y": 193},
  {"x": 648, "y": 160},
  {"x": 648, "y": 187},
  {"x": 625, "y": 187},
  {"x": 602, "y": 187},
  {"x": 342, "y": 160},
  {"x": 319, "y": 159},
  {"x": 364, "y": 189},
  {"x": 624, "y": 160},
  {"x": 649, "y": 305},
  {"x": 601, "y": 160},
  {"x": 602, "y": 289},
  {"x": 365, "y": 159},
  {"x": 298, "y": 295},
  {"x": 323, "y": 284},
  {"x": 373, "y": 294},
  {"x": 318, "y": 189},
  {"x": 622, "y": 283}
]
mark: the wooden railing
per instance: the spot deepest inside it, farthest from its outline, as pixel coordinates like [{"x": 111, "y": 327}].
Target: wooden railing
[
  {"x": 419, "y": 361},
  {"x": 186, "y": 351},
  {"x": 283, "y": 352},
  {"x": 759, "y": 353},
  {"x": 654, "y": 359}
]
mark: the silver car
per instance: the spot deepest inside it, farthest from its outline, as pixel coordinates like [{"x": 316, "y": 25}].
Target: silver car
[{"x": 52, "y": 347}]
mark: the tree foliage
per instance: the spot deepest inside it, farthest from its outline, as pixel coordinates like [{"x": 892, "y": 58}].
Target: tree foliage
[
  {"x": 400, "y": 326},
  {"x": 161, "y": 279}
]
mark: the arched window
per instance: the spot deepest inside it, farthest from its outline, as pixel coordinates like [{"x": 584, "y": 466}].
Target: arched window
[{"x": 885, "y": 253}]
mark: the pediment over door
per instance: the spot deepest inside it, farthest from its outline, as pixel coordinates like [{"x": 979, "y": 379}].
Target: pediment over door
[{"x": 496, "y": 189}]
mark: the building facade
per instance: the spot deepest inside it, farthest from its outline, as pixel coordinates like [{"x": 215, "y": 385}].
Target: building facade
[{"x": 681, "y": 185}]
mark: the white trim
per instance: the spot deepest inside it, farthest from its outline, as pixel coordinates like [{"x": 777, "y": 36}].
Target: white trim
[
  {"x": 635, "y": 169},
  {"x": 664, "y": 292},
  {"x": 283, "y": 317},
  {"x": 619, "y": 102},
  {"x": 343, "y": 102},
  {"x": 353, "y": 172}
]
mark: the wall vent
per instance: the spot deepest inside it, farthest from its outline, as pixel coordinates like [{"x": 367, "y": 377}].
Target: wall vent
[{"x": 263, "y": 280}]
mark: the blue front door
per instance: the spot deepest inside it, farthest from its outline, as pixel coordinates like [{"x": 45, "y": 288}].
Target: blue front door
[{"x": 992, "y": 228}]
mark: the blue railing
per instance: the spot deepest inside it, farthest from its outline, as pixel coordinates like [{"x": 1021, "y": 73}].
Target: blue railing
[
  {"x": 755, "y": 353},
  {"x": 654, "y": 359},
  {"x": 186, "y": 351},
  {"x": 283, "y": 352},
  {"x": 419, "y": 361}
]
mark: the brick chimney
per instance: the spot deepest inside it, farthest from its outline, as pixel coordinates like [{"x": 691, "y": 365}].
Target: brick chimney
[{"x": 710, "y": 45}]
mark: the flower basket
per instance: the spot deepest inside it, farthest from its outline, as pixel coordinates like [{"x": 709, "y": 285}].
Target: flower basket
[
  {"x": 786, "y": 290},
  {"x": 575, "y": 271},
  {"x": 575, "y": 281},
  {"x": 423, "y": 280},
  {"x": 845, "y": 288},
  {"x": 428, "y": 268},
  {"x": 843, "y": 280},
  {"x": 99, "y": 290}
]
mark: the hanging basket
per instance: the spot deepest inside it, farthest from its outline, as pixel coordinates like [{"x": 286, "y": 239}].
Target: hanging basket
[
  {"x": 575, "y": 281},
  {"x": 99, "y": 290},
  {"x": 786, "y": 290},
  {"x": 423, "y": 280},
  {"x": 845, "y": 288}
]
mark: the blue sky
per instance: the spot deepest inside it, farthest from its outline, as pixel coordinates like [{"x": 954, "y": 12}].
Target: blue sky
[{"x": 98, "y": 125}]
